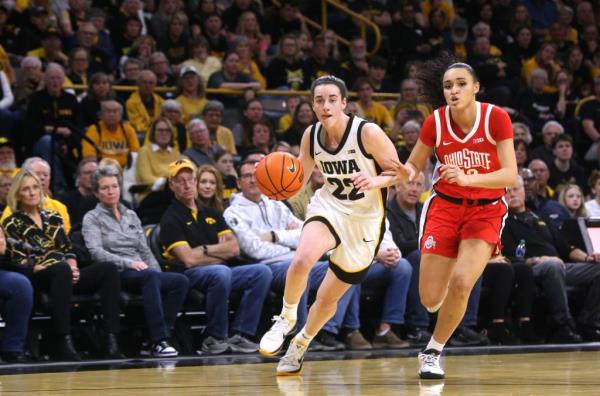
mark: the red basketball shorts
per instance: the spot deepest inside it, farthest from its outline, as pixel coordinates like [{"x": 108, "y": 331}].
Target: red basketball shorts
[{"x": 444, "y": 224}]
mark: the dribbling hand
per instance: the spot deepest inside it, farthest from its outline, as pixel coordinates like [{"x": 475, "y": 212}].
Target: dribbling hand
[{"x": 454, "y": 174}]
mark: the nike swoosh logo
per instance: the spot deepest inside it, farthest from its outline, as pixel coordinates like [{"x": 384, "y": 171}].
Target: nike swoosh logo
[
  {"x": 364, "y": 240},
  {"x": 318, "y": 153},
  {"x": 292, "y": 168},
  {"x": 446, "y": 143}
]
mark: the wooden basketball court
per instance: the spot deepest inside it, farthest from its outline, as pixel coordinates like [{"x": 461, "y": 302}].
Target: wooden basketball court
[{"x": 555, "y": 373}]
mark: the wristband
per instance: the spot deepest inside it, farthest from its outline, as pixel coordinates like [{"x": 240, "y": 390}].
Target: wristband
[
  {"x": 205, "y": 250},
  {"x": 273, "y": 237}
]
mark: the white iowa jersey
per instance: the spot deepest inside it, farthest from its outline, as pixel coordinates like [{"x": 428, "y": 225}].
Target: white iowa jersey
[{"x": 339, "y": 165}]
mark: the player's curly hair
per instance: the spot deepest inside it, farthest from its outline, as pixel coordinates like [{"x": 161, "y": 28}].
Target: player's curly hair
[{"x": 431, "y": 74}]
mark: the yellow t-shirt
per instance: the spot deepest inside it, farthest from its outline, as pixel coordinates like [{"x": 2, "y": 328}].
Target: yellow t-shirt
[
  {"x": 225, "y": 138},
  {"x": 190, "y": 107},
  {"x": 153, "y": 163},
  {"x": 284, "y": 123},
  {"x": 112, "y": 144},
  {"x": 51, "y": 204},
  {"x": 378, "y": 114}
]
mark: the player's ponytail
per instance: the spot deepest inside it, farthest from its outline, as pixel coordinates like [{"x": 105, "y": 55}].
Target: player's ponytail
[{"x": 431, "y": 74}]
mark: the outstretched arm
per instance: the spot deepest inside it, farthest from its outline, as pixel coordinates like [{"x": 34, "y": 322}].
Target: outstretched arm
[{"x": 379, "y": 145}]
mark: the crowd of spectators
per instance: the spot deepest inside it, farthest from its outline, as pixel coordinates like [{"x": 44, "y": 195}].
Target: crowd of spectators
[{"x": 85, "y": 166}]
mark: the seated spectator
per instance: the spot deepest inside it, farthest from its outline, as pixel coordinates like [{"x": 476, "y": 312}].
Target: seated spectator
[
  {"x": 204, "y": 63},
  {"x": 224, "y": 164},
  {"x": 214, "y": 35},
  {"x": 17, "y": 300},
  {"x": 51, "y": 49},
  {"x": 8, "y": 161},
  {"x": 210, "y": 187},
  {"x": 571, "y": 197},
  {"x": 113, "y": 234},
  {"x": 286, "y": 19},
  {"x": 159, "y": 23},
  {"x": 173, "y": 43},
  {"x": 357, "y": 65},
  {"x": 409, "y": 98},
  {"x": 99, "y": 60},
  {"x": 5, "y": 183},
  {"x": 171, "y": 110},
  {"x": 130, "y": 74},
  {"x": 303, "y": 118},
  {"x": 286, "y": 71},
  {"x": 589, "y": 114},
  {"x": 99, "y": 90},
  {"x": 285, "y": 121},
  {"x": 536, "y": 105},
  {"x": 284, "y": 147},
  {"x": 545, "y": 59},
  {"x": 593, "y": 205},
  {"x": 509, "y": 284},
  {"x": 547, "y": 253},
  {"x": 190, "y": 93},
  {"x": 29, "y": 37},
  {"x": 564, "y": 169},
  {"x": 258, "y": 43},
  {"x": 410, "y": 135},
  {"x": 143, "y": 106},
  {"x": 131, "y": 32},
  {"x": 581, "y": 71},
  {"x": 542, "y": 174},
  {"x": 79, "y": 68},
  {"x": 154, "y": 159},
  {"x": 370, "y": 109},
  {"x": 198, "y": 237},
  {"x": 128, "y": 8},
  {"x": 378, "y": 67},
  {"x": 55, "y": 271},
  {"x": 319, "y": 63},
  {"x": 142, "y": 49},
  {"x": 202, "y": 150},
  {"x": 549, "y": 210},
  {"x": 212, "y": 114},
  {"x": 567, "y": 100},
  {"x": 262, "y": 137},
  {"x": 230, "y": 77},
  {"x": 521, "y": 153},
  {"x": 404, "y": 214},
  {"x": 160, "y": 66},
  {"x": 550, "y": 131},
  {"x": 522, "y": 131},
  {"x": 29, "y": 78},
  {"x": 40, "y": 168},
  {"x": 111, "y": 137},
  {"x": 53, "y": 125},
  {"x": 81, "y": 199},
  {"x": 247, "y": 63},
  {"x": 268, "y": 232},
  {"x": 252, "y": 112}
]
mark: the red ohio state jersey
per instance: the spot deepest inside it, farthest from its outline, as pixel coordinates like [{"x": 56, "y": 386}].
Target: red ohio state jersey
[{"x": 474, "y": 152}]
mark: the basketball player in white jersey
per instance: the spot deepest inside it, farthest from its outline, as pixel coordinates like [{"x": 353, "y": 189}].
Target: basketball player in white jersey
[{"x": 341, "y": 217}]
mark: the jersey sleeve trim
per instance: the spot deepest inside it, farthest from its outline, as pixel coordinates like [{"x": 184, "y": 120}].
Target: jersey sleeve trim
[
  {"x": 486, "y": 124},
  {"x": 312, "y": 140},
  {"x": 359, "y": 140},
  {"x": 438, "y": 127}
]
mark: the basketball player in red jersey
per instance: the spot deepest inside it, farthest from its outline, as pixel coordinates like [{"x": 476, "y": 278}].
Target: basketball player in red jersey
[{"x": 463, "y": 218}]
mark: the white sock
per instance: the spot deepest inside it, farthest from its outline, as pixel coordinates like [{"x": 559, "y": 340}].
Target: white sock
[
  {"x": 433, "y": 344},
  {"x": 303, "y": 338},
  {"x": 289, "y": 311}
]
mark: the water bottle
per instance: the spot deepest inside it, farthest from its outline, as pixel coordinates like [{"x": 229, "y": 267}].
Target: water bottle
[{"x": 521, "y": 250}]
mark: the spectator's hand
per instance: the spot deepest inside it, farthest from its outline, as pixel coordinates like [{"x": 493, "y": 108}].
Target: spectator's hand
[
  {"x": 74, "y": 269},
  {"x": 2, "y": 242},
  {"x": 159, "y": 184},
  {"x": 388, "y": 257},
  {"x": 63, "y": 131},
  {"x": 595, "y": 257},
  {"x": 293, "y": 226},
  {"x": 499, "y": 260},
  {"x": 139, "y": 265},
  {"x": 37, "y": 268},
  {"x": 546, "y": 258}
]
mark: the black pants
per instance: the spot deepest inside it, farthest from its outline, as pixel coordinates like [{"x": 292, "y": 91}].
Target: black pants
[
  {"x": 101, "y": 278},
  {"x": 504, "y": 280}
]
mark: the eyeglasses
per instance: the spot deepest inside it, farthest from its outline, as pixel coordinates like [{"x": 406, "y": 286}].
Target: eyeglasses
[
  {"x": 183, "y": 180},
  {"x": 248, "y": 176}
]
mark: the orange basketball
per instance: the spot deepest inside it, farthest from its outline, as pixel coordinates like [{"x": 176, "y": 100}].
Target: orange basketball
[{"x": 279, "y": 175}]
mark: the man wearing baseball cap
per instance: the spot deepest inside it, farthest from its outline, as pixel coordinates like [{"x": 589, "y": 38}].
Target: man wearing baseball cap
[{"x": 198, "y": 239}]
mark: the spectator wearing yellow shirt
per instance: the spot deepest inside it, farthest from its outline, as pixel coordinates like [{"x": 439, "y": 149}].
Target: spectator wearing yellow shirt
[
  {"x": 143, "y": 106},
  {"x": 370, "y": 109},
  {"x": 247, "y": 64},
  {"x": 190, "y": 93},
  {"x": 212, "y": 116},
  {"x": 204, "y": 63},
  {"x": 41, "y": 169},
  {"x": 544, "y": 59},
  {"x": 112, "y": 137},
  {"x": 286, "y": 120},
  {"x": 154, "y": 159}
]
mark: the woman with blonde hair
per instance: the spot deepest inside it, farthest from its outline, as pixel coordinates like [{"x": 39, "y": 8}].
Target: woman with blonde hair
[
  {"x": 258, "y": 42},
  {"x": 210, "y": 187},
  {"x": 48, "y": 259},
  {"x": 572, "y": 198}
]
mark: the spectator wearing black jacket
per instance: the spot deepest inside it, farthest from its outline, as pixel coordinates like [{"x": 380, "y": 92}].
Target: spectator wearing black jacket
[
  {"x": 53, "y": 118},
  {"x": 547, "y": 253}
]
